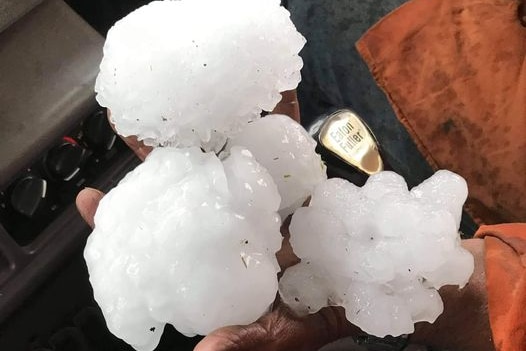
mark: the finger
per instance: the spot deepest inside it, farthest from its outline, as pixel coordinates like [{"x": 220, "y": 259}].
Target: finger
[
  {"x": 289, "y": 105},
  {"x": 137, "y": 146},
  {"x": 285, "y": 256},
  {"x": 309, "y": 333},
  {"x": 133, "y": 143},
  {"x": 282, "y": 331},
  {"x": 87, "y": 202}
]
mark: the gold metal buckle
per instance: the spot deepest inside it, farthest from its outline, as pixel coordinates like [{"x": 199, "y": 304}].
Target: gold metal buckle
[{"x": 349, "y": 138}]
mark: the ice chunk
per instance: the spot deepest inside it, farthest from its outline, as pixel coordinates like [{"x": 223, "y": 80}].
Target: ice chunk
[
  {"x": 307, "y": 288},
  {"x": 381, "y": 251},
  {"x": 287, "y": 151},
  {"x": 376, "y": 310},
  {"x": 325, "y": 239},
  {"x": 444, "y": 189},
  {"x": 188, "y": 240},
  {"x": 383, "y": 183},
  {"x": 191, "y": 72}
]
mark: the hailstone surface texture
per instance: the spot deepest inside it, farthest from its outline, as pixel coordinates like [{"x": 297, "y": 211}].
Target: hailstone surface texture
[
  {"x": 287, "y": 151},
  {"x": 380, "y": 251},
  {"x": 185, "y": 239},
  {"x": 191, "y": 72}
]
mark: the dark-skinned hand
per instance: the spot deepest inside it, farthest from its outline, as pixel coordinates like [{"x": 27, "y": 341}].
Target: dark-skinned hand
[{"x": 280, "y": 329}]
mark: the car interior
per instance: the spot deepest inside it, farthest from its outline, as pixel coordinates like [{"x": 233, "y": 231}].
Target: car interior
[{"x": 54, "y": 141}]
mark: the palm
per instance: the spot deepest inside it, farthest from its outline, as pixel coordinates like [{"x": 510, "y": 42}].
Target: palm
[{"x": 280, "y": 330}]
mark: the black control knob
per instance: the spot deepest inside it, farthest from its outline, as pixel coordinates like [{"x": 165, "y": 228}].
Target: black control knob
[
  {"x": 27, "y": 194},
  {"x": 98, "y": 133},
  {"x": 63, "y": 161}
]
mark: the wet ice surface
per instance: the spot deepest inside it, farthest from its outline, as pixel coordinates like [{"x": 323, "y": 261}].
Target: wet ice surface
[
  {"x": 192, "y": 72},
  {"x": 380, "y": 251},
  {"x": 188, "y": 240},
  {"x": 287, "y": 151}
]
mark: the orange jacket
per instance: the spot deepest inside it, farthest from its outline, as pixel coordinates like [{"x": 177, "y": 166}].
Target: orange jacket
[
  {"x": 506, "y": 283},
  {"x": 455, "y": 73}
]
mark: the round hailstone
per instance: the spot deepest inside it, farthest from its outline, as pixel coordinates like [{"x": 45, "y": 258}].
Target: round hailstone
[
  {"x": 191, "y": 72},
  {"x": 188, "y": 240},
  {"x": 287, "y": 151},
  {"x": 380, "y": 251}
]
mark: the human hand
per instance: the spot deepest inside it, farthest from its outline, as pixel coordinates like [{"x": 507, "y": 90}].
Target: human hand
[
  {"x": 281, "y": 330},
  {"x": 278, "y": 330},
  {"x": 88, "y": 199}
]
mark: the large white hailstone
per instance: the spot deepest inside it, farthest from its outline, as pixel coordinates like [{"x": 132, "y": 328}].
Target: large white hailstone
[
  {"x": 191, "y": 72},
  {"x": 287, "y": 151},
  {"x": 188, "y": 240},
  {"x": 380, "y": 251}
]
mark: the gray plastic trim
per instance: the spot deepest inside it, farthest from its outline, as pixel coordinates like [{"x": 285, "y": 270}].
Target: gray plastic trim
[
  {"x": 49, "y": 61},
  {"x": 12, "y": 10}
]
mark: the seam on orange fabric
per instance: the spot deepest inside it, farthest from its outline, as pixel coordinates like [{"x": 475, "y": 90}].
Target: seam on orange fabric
[
  {"x": 505, "y": 324},
  {"x": 501, "y": 239},
  {"x": 499, "y": 231},
  {"x": 488, "y": 243}
]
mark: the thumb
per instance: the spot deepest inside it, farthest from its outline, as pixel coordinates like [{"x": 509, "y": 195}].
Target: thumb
[{"x": 87, "y": 203}]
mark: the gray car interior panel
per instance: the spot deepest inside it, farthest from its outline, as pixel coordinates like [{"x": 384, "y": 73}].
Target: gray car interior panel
[
  {"x": 12, "y": 10},
  {"x": 48, "y": 64}
]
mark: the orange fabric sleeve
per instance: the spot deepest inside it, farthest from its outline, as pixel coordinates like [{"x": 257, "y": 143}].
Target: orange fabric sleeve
[
  {"x": 455, "y": 73},
  {"x": 506, "y": 283}
]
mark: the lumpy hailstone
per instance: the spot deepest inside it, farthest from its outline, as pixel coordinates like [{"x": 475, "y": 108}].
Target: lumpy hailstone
[
  {"x": 380, "y": 251},
  {"x": 185, "y": 239},
  {"x": 191, "y": 72},
  {"x": 287, "y": 151}
]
